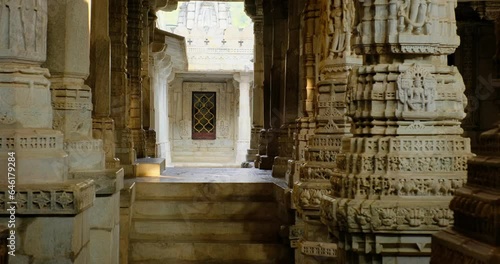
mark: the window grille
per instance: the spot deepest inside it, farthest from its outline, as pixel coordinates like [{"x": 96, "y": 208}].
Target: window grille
[{"x": 204, "y": 110}]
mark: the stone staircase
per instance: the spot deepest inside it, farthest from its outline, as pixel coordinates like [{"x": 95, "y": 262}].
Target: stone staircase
[{"x": 220, "y": 223}]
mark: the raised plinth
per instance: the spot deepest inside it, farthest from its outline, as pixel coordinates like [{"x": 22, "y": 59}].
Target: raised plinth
[{"x": 149, "y": 167}]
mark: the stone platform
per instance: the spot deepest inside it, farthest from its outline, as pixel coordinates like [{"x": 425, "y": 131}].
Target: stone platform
[{"x": 214, "y": 175}]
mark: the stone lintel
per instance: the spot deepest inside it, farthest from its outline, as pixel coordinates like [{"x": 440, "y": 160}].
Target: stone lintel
[
  {"x": 107, "y": 182},
  {"x": 68, "y": 198}
]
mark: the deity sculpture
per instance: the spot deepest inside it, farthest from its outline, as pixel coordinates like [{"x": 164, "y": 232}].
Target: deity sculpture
[
  {"x": 413, "y": 15},
  {"x": 338, "y": 23}
]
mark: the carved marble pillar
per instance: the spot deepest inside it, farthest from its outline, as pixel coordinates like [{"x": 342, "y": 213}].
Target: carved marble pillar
[
  {"x": 68, "y": 60},
  {"x": 135, "y": 40},
  {"x": 274, "y": 62},
  {"x": 120, "y": 94},
  {"x": 161, "y": 69},
  {"x": 32, "y": 153},
  {"x": 336, "y": 23},
  {"x": 291, "y": 92},
  {"x": 99, "y": 80},
  {"x": 147, "y": 92},
  {"x": 258, "y": 84},
  {"x": 244, "y": 125},
  {"x": 264, "y": 161},
  {"x": 306, "y": 124},
  {"x": 397, "y": 173},
  {"x": 474, "y": 237},
  {"x": 25, "y": 104}
]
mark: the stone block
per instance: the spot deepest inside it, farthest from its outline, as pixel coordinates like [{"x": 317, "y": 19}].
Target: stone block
[
  {"x": 101, "y": 245},
  {"x": 115, "y": 249},
  {"x": 150, "y": 167},
  {"x": 104, "y": 212}
]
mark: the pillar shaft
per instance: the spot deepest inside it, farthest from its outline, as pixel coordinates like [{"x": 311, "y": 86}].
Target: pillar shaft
[
  {"x": 120, "y": 94},
  {"x": 406, "y": 156},
  {"x": 244, "y": 124},
  {"x": 161, "y": 70},
  {"x": 258, "y": 86},
  {"x": 69, "y": 62},
  {"x": 99, "y": 80},
  {"x": 25, "y": 107},
  {"x": 135, "y": 26},
  {"x": 290, "y": 108}
]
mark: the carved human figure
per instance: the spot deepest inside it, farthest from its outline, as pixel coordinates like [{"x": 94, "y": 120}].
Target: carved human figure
[
  {"x": 340, "y": 25},
  {"x": 413, "y": 13}
]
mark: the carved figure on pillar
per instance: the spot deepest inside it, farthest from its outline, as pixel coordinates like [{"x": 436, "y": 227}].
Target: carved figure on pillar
[{"x": 338, "y": 23}]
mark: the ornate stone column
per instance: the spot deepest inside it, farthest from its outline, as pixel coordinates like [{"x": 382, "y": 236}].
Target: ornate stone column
[
  {"x": 398, "y": 172},
  {"x": 68, "y": 60},
  {"x": 306, "y": 124},
  {"x": 336, "y": 23},
  {"x": 276, "y": 80},
  {"x": 244, "y": 125},
  {"x": 264, "y": 161},
  {"x": 135, "y": 40},
  {"x": 291, "y": 91},
  {"x": 161, "y": 69},
  {"x": 32, "y": 154},
  {"x": 256, "y": 14},
  {"x": 147, "y": 92},
  {"x": 120, "y": 94},
  {"x": 25, "y": 105},
  {"x": 474, "y": 236},
  {"x": 99, "y": 80}
]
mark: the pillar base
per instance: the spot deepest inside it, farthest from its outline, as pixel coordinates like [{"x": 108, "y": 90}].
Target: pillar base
[
  {"x": 266, "y": 162},
  {"x": 280, "y": 167},
  {"x": 150, "y": 138},
  {"x": 252, "y": 155}
]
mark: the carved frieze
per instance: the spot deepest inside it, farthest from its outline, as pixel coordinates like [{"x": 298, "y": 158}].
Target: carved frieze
[
  {"x": 407, "y": 27},
  {"x": 369, "y": 216},
  {"x": 70, "y": 197},
  {"x": 318, "y": 249},
  {"x": 307, "y": 195}
]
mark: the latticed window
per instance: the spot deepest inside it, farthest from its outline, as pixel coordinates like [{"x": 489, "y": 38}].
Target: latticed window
[{"x": 204, "y": 107}]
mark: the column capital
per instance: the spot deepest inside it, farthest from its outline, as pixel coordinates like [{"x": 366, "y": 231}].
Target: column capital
[{"x": 243, "y": 77}]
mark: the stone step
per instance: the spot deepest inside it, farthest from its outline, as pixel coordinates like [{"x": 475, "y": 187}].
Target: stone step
[
  {"x": 202, "y": 192},
  {"x": 205, "y": 231},
  {"x": 191, "y": 253},
  {"x": 227, "y": 210}
]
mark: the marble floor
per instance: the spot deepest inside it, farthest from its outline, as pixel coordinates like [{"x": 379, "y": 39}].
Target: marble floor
[{"x": 215, "y": 175}]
